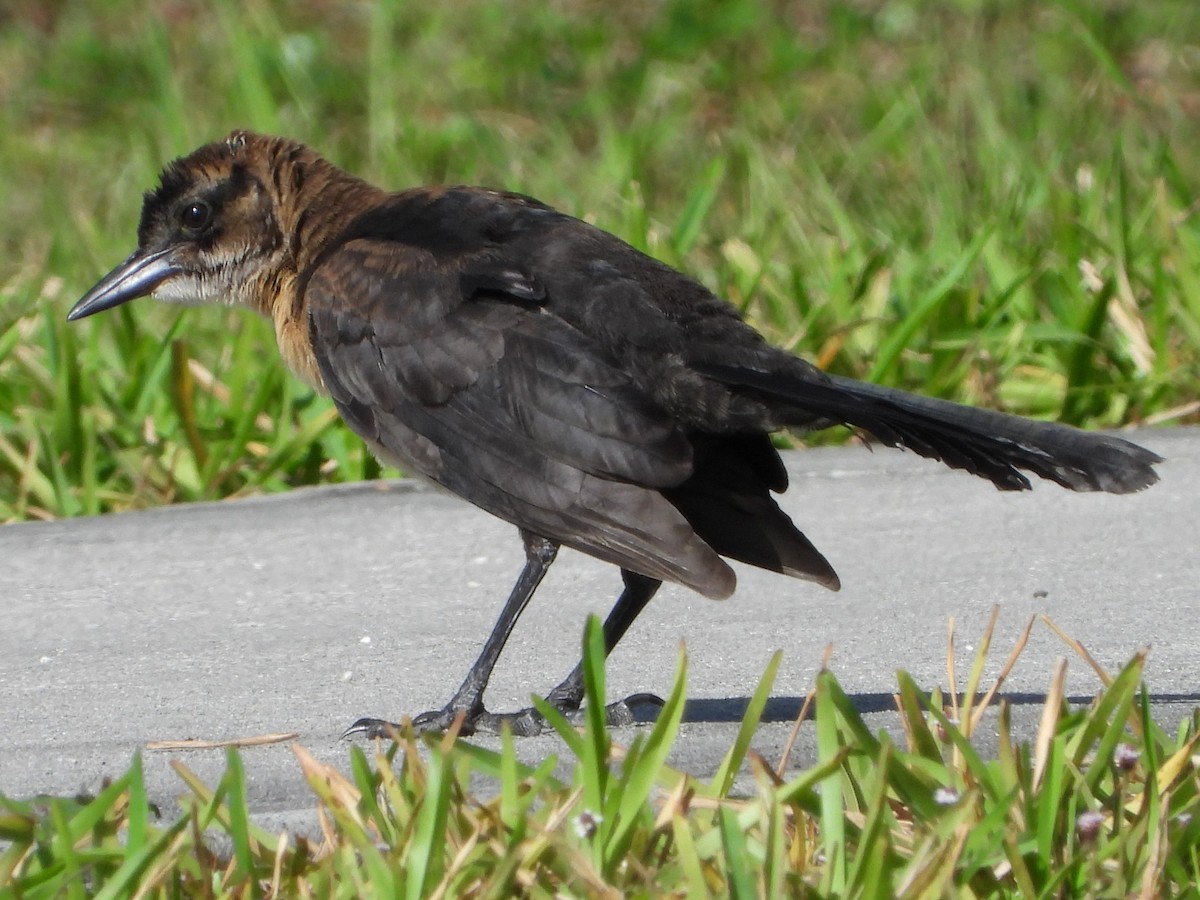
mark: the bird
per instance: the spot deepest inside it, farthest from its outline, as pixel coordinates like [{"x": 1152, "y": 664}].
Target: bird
[{"x": 549, "y": 373}]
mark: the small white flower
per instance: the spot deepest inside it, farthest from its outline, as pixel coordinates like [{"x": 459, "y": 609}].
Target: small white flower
[
  {"x": 586, "y": 823},
  {"x": 945, "y": 796}
]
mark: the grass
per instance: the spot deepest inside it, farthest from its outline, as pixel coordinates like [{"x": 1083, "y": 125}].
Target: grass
[
  {"x": 994, "y": 202},
  {"x": 1102, "y": 804}
]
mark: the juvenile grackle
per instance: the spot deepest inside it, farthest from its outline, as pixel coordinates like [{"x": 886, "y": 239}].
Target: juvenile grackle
[{"x": 547, "y": 372}]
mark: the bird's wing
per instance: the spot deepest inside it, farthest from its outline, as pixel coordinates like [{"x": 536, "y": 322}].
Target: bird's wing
[{"x": 458, "y": 373}]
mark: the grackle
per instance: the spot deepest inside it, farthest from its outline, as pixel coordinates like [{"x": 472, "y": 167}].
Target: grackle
[{"x": 549, "y": 373}]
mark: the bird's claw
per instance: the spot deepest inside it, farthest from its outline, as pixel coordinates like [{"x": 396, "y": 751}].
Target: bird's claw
[
  {"x": 371, "y": 728},
  {"x": 438, "y": 720}
]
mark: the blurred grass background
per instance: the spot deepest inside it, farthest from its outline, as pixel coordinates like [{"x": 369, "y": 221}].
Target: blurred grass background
[{"x": 995, "y": 202}]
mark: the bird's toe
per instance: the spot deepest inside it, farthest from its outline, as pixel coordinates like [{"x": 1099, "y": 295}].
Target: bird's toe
[
  {"x": 526, "y": 722},
  {"x": 371, "y": 728},
  {"x": 441, "y": 720},
  {"x": 523, "y": 723},
  {"x": 633, "y": 709}
]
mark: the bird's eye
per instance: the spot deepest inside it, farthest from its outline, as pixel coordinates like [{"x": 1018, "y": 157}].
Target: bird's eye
[{"x": 195, "y": 216}]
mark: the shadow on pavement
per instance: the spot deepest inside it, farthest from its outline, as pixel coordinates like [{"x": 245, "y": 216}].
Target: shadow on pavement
[{"x": 786, "y": 709}]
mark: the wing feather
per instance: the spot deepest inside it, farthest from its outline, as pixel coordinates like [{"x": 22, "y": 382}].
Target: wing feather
[{"x": 506, "y": 405}]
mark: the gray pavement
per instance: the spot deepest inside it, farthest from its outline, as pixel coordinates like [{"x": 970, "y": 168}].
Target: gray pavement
[{"x": 303, "y": 612}]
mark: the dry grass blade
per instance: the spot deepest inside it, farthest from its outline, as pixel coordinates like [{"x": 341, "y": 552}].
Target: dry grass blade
[
  {"x": 341, "y": 789},
  {"x": 1048, "y": 725},
  {"x": 791, "y": 741},
  {"x": 1182, "y": 411},
  {"x": 1177, "y": 764},
  {"x": 1124, "y": 312},
  {"x": 281, "y": 848},
  {"x": 985, "y": 644},
  {"x": 259, "y": 740},
  {"x": 456, "y": 865},
  {"x": 931, "y": 879},
  {"x": 951, "y": 671},
  {"x": 1017, "y": 649},
  {"x": 183, "y": 390},
  {"x": 1080, "y": 650},
  {"x": 676, "y": 803},
  {"x": 209, "y": 383}
]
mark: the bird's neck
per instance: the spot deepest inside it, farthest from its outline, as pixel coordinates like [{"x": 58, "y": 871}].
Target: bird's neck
[
  {"x": 316, "y": 202},
  {"x": 323, "y": 200}
]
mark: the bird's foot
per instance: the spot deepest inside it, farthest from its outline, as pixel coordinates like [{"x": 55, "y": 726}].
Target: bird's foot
[
  {"x": 529, "y": 722},
  {"x": 526, "y": 722}
]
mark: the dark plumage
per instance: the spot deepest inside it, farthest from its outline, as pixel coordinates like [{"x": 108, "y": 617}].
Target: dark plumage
[{"x": 547, "y": 372}]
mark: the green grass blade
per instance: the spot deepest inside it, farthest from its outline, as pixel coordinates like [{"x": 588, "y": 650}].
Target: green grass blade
[
  {"x": 900, "y": 338},
  {"x": 869, "y": 871},
  {"x": 640, "y": 775},
  {"x": 742, "y": 884},
  {"x": 701, "y": 199},
  {"x": 425, "y": 854},
  {"x": 833, "y": 827},
  {"x": 239, "y": 817},
  {"x": 593, "y": 763},
  {"x": 723, "y": 779}
]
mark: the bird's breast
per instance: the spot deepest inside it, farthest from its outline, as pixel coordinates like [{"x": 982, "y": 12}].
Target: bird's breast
[{"x": 295, "y": 346}]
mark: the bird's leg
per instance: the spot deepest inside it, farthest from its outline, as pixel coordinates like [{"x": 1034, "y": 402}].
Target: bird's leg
[
  {"x": 539, "y": 554},
  {"x": 568, "y": 696}
]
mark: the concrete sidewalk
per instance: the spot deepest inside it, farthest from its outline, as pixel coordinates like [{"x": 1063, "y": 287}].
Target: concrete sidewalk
[{"x": 303, "y": 612}]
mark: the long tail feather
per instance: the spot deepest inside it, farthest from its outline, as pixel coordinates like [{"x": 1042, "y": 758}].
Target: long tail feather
[{"x": 990, "y": 444}]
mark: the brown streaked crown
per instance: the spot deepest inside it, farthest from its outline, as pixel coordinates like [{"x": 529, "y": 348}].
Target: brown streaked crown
[{"x": 235, "y": 210}]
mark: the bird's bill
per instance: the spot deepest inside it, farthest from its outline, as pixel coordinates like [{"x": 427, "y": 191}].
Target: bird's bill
[{"x": 136, "y": 277}]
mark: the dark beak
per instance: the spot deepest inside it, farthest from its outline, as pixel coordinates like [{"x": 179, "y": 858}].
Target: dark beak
[{"x": 136, "y": 277}]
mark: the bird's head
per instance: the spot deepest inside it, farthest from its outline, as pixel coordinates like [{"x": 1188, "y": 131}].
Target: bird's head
[{"x": 212, "y": 226}]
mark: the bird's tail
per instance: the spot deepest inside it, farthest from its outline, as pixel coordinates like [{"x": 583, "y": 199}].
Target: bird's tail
[{"x": 990, "y": 444}]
